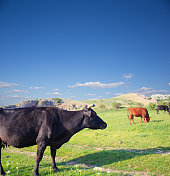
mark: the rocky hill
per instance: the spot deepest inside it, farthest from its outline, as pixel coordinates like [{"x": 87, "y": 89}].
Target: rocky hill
[
  {"x": 161, "y": 96},
  {"x": 62, "y": 103},
  {"x": 126, "y": 100},
  {"x": 138, "y": 98}
]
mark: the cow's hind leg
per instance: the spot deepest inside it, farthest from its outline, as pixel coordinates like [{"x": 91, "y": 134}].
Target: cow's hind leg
[
  {"x": 130, "y": 120},
  {"x": 40, "y": 151},
  {"x": 1, "y": 168},
  {"x": 53, "y": 154}
]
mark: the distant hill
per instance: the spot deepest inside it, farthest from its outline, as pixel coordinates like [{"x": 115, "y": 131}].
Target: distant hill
[
  {"x": 138, "y": 98},
  {"x": 62, "y": 103},
  {"x": 126, "y": 100},
  {"x": 161, "y": 96}
]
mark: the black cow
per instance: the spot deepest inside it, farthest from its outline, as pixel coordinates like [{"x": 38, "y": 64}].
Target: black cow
[
  {"x": 162, "y": 107},
  {"x": 43, "y": 126}
]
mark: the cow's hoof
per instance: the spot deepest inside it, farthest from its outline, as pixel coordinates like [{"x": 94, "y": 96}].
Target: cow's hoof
[
  {"x": 3, "y": 173},
  {"x": 36, "y": 174},
  {"x": 56, "y": 169}
]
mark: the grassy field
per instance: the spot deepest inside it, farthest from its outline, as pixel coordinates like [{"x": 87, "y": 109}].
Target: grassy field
[{"x": 120, "y": 149}]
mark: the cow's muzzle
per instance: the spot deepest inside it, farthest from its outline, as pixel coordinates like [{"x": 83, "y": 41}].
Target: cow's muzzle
[{"x": 103, "y": 126}]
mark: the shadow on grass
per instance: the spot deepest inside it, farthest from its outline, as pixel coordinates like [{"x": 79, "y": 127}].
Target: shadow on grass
[
  {"x": 157, "y": 120},
  {"x": 99, "y": 159},
  {"x": 107, "y": 157}
]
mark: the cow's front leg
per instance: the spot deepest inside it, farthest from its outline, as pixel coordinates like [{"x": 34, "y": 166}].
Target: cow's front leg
[
  {"x": 140, "y": 119},
  {"x": 40, "y": 151},
  {"x": 133, "y": 119},
  {"x": 53, "y": 154},
  {"x": 2, "y": 172},
  {"x": 144, "y": 119}
]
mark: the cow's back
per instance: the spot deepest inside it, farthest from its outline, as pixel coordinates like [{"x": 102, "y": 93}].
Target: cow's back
[
  {"x": 19, "y": 127},
  {"x": 137, "y": 112}
]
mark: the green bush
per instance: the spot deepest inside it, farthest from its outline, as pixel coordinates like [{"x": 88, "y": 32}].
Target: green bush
[
  {"x": 116, "y": 105},
  {"x": 58, "y": 100},
  {"x": 163, "y": 102},
  {"x": 102, "y": 106},
  {"x": 152, "y": 106}
]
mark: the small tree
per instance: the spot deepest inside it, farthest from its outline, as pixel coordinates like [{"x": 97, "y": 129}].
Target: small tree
[
  {"x": 116, "y": 105},
  {"x": 102, "y": 106},
  {"x": 151, "y": 106},
  {"x": 58, "y": 100}
]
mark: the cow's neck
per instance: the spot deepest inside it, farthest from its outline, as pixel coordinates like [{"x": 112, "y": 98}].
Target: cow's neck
[{"x": 76, "y": 123}]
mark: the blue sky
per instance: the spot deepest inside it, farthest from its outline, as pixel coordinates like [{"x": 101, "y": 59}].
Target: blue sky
[{"x": 83, "y": 49}]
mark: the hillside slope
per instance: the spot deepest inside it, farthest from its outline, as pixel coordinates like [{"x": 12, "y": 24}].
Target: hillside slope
[
  {"x": 125, "y": 100},
  {"x": 138, "y": 98}
]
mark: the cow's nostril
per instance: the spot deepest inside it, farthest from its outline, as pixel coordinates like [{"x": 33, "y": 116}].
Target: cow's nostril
[{"x": 104, "y": 126}]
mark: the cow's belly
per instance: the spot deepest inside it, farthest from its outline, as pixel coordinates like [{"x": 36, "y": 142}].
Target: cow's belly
[
  {"x": 57, "y": 143},
  {"x": 19, "y": 141}
]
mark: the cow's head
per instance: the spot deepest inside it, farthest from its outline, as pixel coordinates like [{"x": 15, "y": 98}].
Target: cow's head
[
  {"x": 92, "y": 120},
  {"x": 148, "y": 119}
]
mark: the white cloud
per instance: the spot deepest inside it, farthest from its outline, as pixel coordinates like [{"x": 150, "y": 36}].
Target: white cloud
[
  {"x": 6, "y": 85},
  {"x": 97, "y": 85},
  {"x": 149, "y": 91},
  {"x": 99, "y": 97},
  {"x": 90, "y": 95},
  {"x": 117, "y": 94},
  {"x": 144, "y": 89},
  {"x": 108, "y": 93},
  {"x": 18, "y": 91},
  {"x": 72, "y": 97},
  {"x": 128, "y": 76},
  {"x": 56, "y": 93},
  {"x": 55, "y": 90},
  {"x": 36, "y": 88},
  {"x": 169, "y": 84},
  {"x": 13, "y": 97}
]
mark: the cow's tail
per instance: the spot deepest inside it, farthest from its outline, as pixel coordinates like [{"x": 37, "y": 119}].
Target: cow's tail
[{"x": 128, "y": 113}]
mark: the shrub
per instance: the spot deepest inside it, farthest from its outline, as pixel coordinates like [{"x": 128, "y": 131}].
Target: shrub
[
  {"x": 163, "y": 102},
  {"x": 116, "y": 105},
  {"x": 58, "y": 100},
  {"x": 102, "y": 106},
  {"x": 151, "y": 106}
]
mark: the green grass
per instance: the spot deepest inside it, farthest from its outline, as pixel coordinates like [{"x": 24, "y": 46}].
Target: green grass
[{"x": 129, "y": 149}]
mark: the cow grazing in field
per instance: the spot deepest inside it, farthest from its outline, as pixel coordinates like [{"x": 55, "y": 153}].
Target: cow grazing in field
[
  {"x": 137, "y": 112},
  {"x": 44, "y": 126},
  {"x": 162, "y": 108}
]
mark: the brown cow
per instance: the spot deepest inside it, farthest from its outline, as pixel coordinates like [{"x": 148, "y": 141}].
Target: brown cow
[{"x": 138, "y": 112}]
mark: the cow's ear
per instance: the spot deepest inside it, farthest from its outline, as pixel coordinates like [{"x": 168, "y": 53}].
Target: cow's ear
[
  {"x": 90, "y": 106},
  {"x": 87, "y": 113}
]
